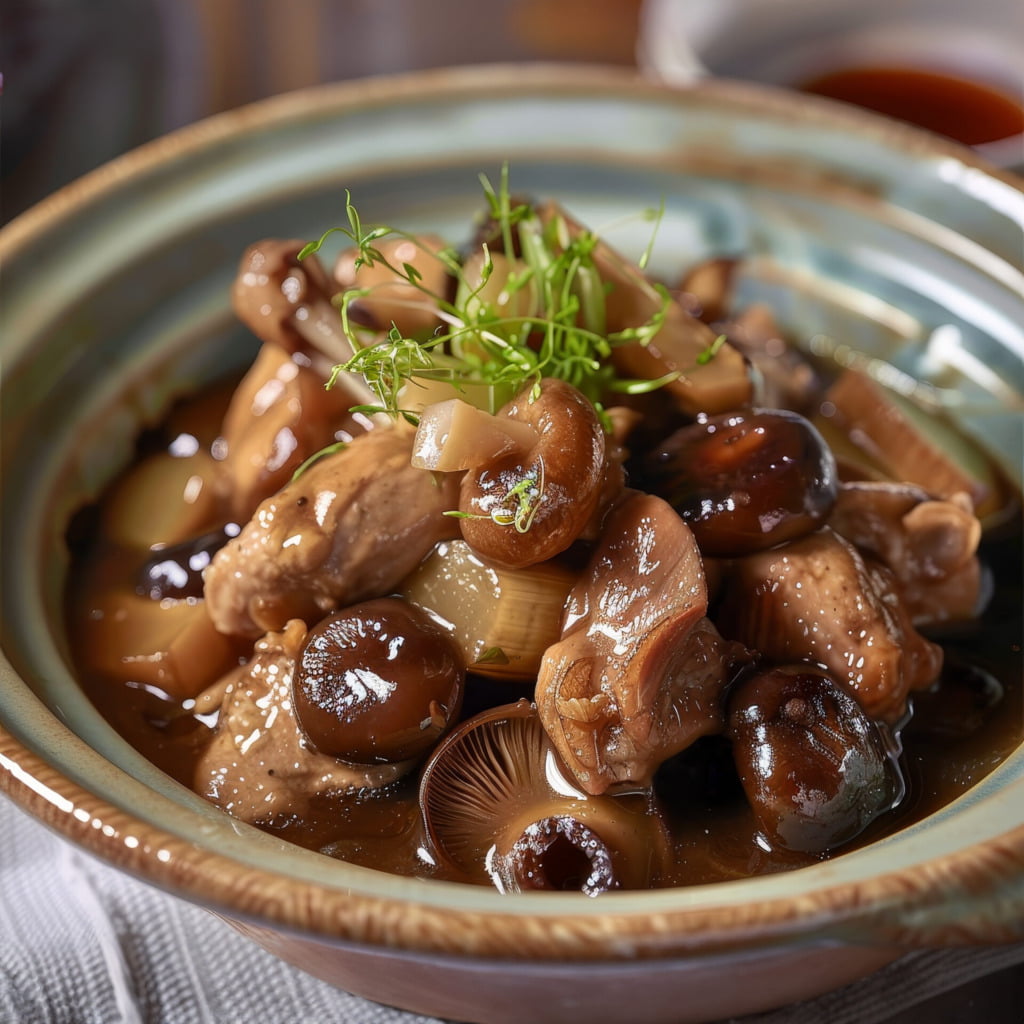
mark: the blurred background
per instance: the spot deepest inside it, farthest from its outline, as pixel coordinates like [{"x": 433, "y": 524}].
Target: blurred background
[{"x": 85, "y": 80}]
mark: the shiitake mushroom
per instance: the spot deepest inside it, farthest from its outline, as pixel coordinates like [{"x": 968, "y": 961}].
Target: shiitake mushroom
[
  {"x": 497, "y": 806},
  {"x": 525, "y": 507},
  {"x": 176, "y": 570},
  {"x": 745, "y": 481},
  {"x": 377, "y": 682},
  {"x": 814, "y": 767}
]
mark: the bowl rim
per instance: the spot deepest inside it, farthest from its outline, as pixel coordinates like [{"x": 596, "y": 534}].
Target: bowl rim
[{"x": 887, "y": 908}]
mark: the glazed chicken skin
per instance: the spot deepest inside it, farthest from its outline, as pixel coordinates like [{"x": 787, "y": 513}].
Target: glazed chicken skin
[
  {"x": 639, "y": 671},
  {"x": 817, "y": 600},
  {"x": 352, "y": 526}
]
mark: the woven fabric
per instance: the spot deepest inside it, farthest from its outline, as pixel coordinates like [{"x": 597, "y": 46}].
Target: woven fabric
[{"x": 81, "y": 943}]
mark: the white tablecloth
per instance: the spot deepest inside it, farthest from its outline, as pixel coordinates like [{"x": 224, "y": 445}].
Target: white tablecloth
[{"x": 83, "y": 944}]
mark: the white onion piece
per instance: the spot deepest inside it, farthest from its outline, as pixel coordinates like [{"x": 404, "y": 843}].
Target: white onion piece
[{"x": 454, "y": 435}]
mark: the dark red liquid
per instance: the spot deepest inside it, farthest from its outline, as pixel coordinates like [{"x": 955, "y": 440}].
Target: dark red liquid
[{"x": 962, "y": 110}]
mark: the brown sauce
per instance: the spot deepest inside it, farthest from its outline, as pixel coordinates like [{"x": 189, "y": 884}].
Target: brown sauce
[
  {"x": 965, "y": 111},
  {"x": 958, "y": 735}
]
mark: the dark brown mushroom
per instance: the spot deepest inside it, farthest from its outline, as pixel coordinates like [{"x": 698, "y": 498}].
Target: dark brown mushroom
[
  {"x": 259, "y": 766},
  {"x": 176, "y": 570},
  {"x": 378, "y": 682},
  {"x": 498, "y": 807},
  {"x": 526, "y": 506},
  {"x": 816, "y": 770},
  {"x": 745, "y": 481}
]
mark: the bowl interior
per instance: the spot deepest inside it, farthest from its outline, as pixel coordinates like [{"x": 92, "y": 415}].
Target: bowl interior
[{"x": 865, "y": 234}]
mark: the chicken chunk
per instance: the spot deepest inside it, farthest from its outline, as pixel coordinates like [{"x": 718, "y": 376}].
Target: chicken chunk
[
  {"x": 929, "y": 544},
  {"x": 350, "y": 528},
  {"x": 816, "y": 600},
  {"x": 639, "y": 670}
]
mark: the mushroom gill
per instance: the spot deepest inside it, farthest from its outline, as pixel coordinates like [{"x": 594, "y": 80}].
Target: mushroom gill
[{"x": 497, "y": 807}]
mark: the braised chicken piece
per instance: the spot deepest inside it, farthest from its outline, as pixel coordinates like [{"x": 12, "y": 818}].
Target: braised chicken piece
[
  {"x": 351, "y": 527},
  {"x": 639, "y": 670},
  {"x": 817, "y": 600},
  {"x": 929, "y": 544}
]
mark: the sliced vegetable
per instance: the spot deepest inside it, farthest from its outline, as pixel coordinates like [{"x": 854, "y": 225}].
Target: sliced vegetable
[
  {"x": 890, "y": 432},
  {"x": 701, "y": 373},
  {"x": 502, "y": 619}
]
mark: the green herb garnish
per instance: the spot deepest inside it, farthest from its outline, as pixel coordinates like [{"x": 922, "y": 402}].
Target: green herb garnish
[
  {"x": 482, "y": 341},
  {"x": 330, "y": 449},
  {"x": 492, "y": 656},
  {"x": 518, "y": 507}
]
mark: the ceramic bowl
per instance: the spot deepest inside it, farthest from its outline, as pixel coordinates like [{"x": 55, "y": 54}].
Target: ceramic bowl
[{"x": 116, "y": 301}]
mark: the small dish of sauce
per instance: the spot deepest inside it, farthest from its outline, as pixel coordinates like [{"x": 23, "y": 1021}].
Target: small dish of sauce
[{"x": 966, "y": 111}]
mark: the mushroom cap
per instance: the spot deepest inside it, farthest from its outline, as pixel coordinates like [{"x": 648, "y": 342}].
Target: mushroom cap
[
  {"x": 524, "y": 507},
  {"x": 498, "y": 807},
  {"x": 377, "y": 682},
  {"x": 747, "y": 480},
  {"x": 815, "y": 768}
]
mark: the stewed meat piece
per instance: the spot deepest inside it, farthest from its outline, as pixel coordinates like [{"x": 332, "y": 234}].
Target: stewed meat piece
[
  {"x": 350, "y": 528},
  {"x": 817, "y": 600},
  {"x": 930, "y": 545},
  {"x": 639, "y": 670}
]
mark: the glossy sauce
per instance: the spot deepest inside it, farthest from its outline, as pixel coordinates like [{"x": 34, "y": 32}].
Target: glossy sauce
[
  {"x": 961, "y": 732},
  {"x": 965, "y": 111}
]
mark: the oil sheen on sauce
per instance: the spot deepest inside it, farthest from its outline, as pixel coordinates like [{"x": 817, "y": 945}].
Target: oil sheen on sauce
[{"x": 956, "y": 736}]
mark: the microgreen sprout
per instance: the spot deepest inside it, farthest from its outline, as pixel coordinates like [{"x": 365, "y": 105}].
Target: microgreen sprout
[
  {"x": 548, "y": 320},
  {"x": 518, "y": 506},
  {"x": 330, "y": 449},
  {"x": 711, "y": 351}
]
